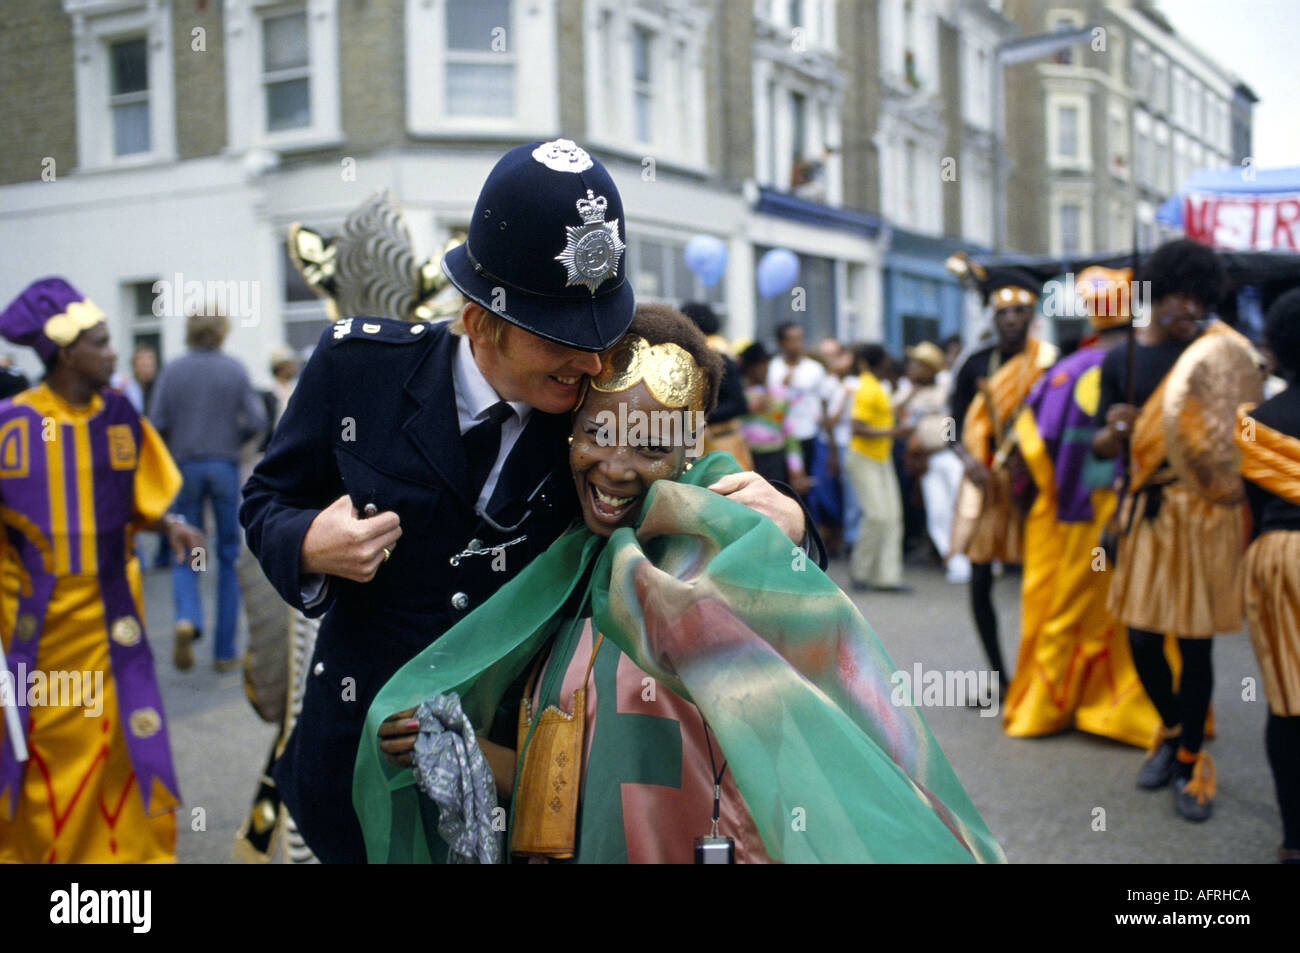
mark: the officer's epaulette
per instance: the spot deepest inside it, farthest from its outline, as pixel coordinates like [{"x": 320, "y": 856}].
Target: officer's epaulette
[{"x": 388, "y": 330}]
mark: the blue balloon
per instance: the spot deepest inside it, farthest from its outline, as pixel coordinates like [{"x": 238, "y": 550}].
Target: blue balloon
[
  {"x": 706, "y": 257},
  {"x": 778, "y": 270}
]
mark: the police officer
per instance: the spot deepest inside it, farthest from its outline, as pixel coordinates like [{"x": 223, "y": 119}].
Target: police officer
[{"x": 418, "y": 467}]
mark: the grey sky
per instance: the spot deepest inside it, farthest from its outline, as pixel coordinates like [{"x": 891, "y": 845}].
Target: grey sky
[{"x": 1259, "y": 40}]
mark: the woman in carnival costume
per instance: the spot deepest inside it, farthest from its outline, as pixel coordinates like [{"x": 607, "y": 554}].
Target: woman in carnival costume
[{"x": 671, "y": 679}]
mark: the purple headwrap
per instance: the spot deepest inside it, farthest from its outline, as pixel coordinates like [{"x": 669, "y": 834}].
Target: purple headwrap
[{"x": 49, "y": 314}]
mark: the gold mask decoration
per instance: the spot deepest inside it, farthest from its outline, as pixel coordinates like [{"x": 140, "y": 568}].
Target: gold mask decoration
[{"x": 670, "y": 373}]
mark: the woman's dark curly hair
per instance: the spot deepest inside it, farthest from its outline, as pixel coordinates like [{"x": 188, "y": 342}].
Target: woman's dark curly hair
[
  {"x": 658, "y": 324},
  {"x": 1185, "y": 267},
  {"x": 1282, "y": 332}
]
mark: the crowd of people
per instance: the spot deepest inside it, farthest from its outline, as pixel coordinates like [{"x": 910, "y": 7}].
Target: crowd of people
[
  {"x": 507, "y": 587},
  {"x": 844, "y": 423}
]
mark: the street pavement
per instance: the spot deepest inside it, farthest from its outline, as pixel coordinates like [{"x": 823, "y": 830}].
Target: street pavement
[{"x": 1040, "y": 797}]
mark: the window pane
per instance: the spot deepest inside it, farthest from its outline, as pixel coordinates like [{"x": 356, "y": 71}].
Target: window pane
[
  {"x": 470, "y": 23},
  {"x": 288, "y": 105},
  {"x": 685, "y": 285},
  {"x": 284, "y": 42},
  {"x": 474, "y": 89},
  {"x": 130, "y": 65},
  {"x": 130, "y": 128},
  {"x": 918, "y": 328},
  {"x": 642, "y": 103},
  {"x": 1065, "y": 25},
  {"x": 142, "y": 296},
  {"x": 651, "y": 281},
  {"x": 1068, "y": 144},
  {"x": 641, "y": 54},
  {"x": 1069, "y": 229},
  {"x": 798, "y": 124}
]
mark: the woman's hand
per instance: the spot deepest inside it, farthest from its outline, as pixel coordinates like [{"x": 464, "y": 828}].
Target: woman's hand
[
  {"x": 397, "y": 737},
  {"x": 502, "y": 762}
]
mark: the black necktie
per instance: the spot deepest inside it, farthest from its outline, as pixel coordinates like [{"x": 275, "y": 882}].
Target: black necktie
[{"x": 482, "y": 443}]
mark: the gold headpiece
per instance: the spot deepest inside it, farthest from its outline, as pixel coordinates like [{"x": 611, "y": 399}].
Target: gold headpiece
[
  {"x": 63, "y": 328},
  {"x": 670, "y": 373},
  {"x": 1011, "y": 295}
]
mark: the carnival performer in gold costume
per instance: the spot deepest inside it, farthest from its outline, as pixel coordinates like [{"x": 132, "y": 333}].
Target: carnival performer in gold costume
[
  {"x": 1269, "y": 439},
  {"x": 1179, "y": 563},
  {"x": 1074, "y": 665},
  {"x": 989, "y": 391}
]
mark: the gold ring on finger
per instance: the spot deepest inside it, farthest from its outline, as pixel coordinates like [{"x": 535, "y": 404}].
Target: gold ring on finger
[{"x": 387, "y": 553}]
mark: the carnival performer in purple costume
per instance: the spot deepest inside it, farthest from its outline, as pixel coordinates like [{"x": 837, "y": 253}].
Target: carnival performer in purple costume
[{"x": 80, "y": 473}]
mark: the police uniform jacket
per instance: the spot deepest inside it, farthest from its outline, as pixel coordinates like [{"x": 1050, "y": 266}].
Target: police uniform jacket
[{"x": 374, "y": 415}]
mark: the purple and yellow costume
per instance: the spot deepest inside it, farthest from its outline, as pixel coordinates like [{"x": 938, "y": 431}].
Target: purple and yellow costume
[{"x": 76, "y": 483}]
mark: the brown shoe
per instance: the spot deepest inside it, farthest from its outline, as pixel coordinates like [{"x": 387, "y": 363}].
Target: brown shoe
[{"x": 183, "y": 646}]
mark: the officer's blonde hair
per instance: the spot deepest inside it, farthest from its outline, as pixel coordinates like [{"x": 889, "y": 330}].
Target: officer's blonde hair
[{"x": 493, "y": 325}]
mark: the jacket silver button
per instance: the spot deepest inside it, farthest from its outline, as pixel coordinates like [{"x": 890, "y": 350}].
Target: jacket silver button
[
  {"x": 318, "y": 668},
  {"x": 460, "y": 601}
]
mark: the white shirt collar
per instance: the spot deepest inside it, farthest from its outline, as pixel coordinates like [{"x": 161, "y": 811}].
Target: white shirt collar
[{"x": 474, "y": 395}]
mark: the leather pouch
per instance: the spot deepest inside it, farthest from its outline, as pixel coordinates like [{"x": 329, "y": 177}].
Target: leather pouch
[{"x": 546, "y": 795}]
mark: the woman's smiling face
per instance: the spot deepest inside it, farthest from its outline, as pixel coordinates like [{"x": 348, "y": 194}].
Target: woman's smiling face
[{"x": 613, "y": 473}]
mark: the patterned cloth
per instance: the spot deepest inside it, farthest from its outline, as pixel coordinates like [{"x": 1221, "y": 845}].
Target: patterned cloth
[
  {"x": 451, "y": 771},
  {"x": 650, "y": 745},
  {"x": 706, "y": 597}
]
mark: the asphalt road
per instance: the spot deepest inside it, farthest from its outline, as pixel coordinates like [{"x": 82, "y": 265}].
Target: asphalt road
[{"x": 1039, "y": 796}]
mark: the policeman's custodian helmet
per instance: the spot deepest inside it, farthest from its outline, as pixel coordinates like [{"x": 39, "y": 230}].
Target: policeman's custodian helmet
[{"x": 546, "y": 247}]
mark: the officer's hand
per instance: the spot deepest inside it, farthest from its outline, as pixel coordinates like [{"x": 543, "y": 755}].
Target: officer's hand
[
  {"x": 762, "y": 497},
  {"x": 397, "y": 737},
  {"x": 338, "y": 543}
]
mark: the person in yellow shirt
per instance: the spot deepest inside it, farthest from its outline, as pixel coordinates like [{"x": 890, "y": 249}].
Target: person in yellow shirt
[{"x": 877, "y": 561}]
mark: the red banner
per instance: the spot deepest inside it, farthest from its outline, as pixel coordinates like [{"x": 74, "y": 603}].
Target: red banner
[{"x": 1262, "y": 222}]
